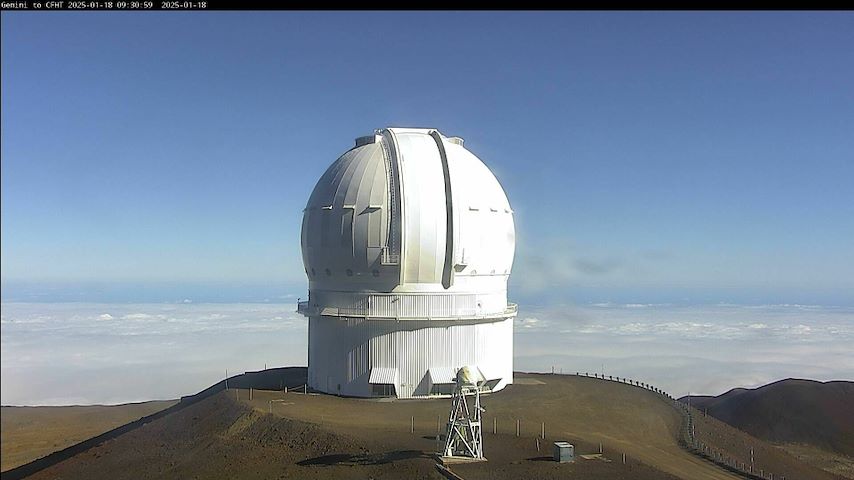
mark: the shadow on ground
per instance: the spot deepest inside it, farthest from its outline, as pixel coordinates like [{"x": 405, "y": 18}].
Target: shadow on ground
[{"x": 364, "y": 459}]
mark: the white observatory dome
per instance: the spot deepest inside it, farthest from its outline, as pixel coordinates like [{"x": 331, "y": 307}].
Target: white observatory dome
[
  {"x": 409, "y": 210},
  {"x": 406, "y": 225}
]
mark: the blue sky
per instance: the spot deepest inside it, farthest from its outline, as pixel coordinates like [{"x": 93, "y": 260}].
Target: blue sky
[{"x": 649, "y": 157}]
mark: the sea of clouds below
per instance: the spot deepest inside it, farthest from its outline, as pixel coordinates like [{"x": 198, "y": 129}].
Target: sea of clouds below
[{"x": 83, "y": 353}]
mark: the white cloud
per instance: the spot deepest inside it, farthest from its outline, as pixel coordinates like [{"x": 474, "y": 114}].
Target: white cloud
[
  {"x": 105, "y": 316},
  {"x": 67, "y": 353},
  {"x": 800, "y": 329},
  {"x": 702, "y": 349},
  {"x": 530, "y": 322},
  {"x": 166, "y": 350}
]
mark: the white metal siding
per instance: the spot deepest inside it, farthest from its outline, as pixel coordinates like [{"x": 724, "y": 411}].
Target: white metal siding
[{"x": 345, "y": 351}]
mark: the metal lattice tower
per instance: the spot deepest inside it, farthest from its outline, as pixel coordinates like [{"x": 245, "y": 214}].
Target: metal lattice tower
[{"x": 465, "y": 437}]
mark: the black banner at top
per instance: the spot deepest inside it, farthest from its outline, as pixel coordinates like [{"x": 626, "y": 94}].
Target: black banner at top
[{"x": 205, "y": 5}]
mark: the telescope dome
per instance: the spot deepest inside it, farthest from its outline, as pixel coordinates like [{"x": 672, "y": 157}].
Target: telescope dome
[
  {"x": 407, "y": 242},
  {"x": 407, "y": 210}
]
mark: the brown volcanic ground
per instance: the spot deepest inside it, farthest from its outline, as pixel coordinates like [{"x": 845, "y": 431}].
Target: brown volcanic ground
[
  {"x": 811, "y": 420},
  {"x": 32, "y": 432},
  {"x": 733, "y": 447},
  {"x": 221, "y": 437},
  {"x": 227, "y": 435},
  {"x": 790, "y": 411}
]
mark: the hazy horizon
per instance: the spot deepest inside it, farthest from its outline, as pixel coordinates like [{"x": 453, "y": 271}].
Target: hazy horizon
[{"x": 83, "y": 353}]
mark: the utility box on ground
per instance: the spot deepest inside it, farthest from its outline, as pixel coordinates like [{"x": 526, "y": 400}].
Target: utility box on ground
[{"x": 564, "y": 452}]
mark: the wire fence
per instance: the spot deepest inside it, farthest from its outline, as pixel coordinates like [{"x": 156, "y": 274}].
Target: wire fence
[{"x": 688, "y": 437}]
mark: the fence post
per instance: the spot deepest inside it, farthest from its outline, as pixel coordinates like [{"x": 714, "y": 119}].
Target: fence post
[
  {"x": 517, "y": 427},
  {"x": 494, "y": 425},
  {"x": 412, "y": 424},
  {"x": 543, "y": 432}
]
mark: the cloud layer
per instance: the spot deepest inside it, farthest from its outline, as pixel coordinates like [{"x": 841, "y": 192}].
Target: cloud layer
[
  {"x": 67, "y": 353},
  {"x": 705, "y": 349}
]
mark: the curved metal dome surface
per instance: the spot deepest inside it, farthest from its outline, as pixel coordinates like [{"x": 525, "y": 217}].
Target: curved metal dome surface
[
  {"x": 407, "y": 240},
  {"x": 408, "y": 210}
]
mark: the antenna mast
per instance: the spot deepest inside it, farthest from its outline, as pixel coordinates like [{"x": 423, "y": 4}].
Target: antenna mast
[{"x": 465, "y": 437}]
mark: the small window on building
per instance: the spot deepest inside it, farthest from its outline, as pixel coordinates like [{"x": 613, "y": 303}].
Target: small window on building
[
  {"x": 442, "y": 389},
  {"x": 382, "y": 389}
]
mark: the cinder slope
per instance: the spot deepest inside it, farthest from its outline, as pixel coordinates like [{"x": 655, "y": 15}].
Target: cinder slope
[
  {"x": 790, "y": 411},
  {"x": 221, "y": 438},
  {"x": 29, "y": 433},
  {"x": 733, "y": 447},
  {"x": 280, "y": 435},
  {"x": 624, "y": 418}
]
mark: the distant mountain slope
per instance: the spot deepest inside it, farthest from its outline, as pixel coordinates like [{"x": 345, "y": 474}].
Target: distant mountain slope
[
  {"x": 789, "y": 411},
  {"x": 29, "y": 433}
]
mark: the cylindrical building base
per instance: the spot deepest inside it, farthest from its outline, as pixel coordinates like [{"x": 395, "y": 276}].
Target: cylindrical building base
[{"x": 406, "y": 359}]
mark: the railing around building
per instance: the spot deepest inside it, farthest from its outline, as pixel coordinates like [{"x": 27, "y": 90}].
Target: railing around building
[{"x": 409, "y": 307}]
